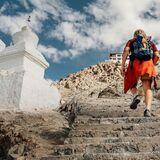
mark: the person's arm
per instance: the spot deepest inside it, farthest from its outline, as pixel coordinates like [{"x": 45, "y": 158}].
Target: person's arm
[
  {"x": 124, "y": 58},
  {"x": 156, "y": 57},
  {"x": 156, "y": 54}
]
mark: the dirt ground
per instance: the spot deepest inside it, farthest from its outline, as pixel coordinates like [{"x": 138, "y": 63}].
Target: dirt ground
[{"x": 29, "y": 135}]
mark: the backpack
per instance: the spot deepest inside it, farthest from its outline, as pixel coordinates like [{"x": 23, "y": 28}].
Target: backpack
[{"x": 138, "y": 51}]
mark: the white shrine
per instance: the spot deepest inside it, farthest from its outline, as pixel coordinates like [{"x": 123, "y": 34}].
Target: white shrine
[{"x": 22, "y": 83}]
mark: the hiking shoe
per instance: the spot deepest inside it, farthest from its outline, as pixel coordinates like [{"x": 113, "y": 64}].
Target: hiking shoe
[
  {"x": 147, "y": 113},
  {"x": 135, "y": 102}
]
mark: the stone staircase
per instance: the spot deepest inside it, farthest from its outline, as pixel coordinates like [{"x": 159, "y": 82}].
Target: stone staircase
[{"x": 107, "y": 129}]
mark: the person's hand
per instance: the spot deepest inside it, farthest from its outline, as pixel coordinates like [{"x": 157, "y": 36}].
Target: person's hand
[{"x": 123, "y": 70}]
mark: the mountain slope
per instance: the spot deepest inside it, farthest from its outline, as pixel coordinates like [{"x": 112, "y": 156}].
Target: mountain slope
[{"x": 96, "y": 77}]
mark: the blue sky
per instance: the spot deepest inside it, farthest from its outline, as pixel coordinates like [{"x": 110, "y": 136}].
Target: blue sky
[{"x": 74, "y": 34}]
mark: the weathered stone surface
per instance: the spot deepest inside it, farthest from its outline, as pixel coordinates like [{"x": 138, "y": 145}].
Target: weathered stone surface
[
  {"x": 108, "y": 92},
  {"x": 93, "y": 80},
  {"x": 103, "y": 128},
  {"x": 135, "y": 156},
  {"x": 26, "y": 136}
]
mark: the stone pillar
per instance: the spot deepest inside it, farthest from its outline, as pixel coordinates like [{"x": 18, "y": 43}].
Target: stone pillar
[{"x": 22, "y": 83}]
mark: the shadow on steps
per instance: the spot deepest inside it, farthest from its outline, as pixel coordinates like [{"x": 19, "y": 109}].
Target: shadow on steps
[{"x": 57, "y": 137}]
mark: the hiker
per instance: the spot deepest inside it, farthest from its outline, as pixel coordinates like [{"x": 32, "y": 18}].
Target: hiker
[{"x": 144, "y": 56}]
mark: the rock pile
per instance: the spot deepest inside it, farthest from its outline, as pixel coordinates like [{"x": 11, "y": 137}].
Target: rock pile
[{"x": 106, "y": 74}]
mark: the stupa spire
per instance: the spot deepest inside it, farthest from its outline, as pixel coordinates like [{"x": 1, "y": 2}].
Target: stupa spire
[{"x": 28, "y": 21}]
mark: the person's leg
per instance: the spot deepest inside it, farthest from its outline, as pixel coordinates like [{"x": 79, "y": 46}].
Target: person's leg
[
  {"x": 148, "y": 93},
  {"x": 136, "y": 99},
  {"x": 134, "y": 91},
  {"x": 148, "y": 96}
]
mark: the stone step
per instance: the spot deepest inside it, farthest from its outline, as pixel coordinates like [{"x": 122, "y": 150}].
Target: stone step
[
  {"x": 90, "y": 120},
  {"x": 122, "y": 147},
  {"x": 114, "y": 101},
  {"x": 117, "y": 127},
  {"x": 107, "y": 156},
  {"x": 124, "y": 133},
  {"x": 105, "y": 106},
  {"x": 114, "y": 104},
  {"x": 97, "y": 140},
  {"x": 113, "y": 112}
]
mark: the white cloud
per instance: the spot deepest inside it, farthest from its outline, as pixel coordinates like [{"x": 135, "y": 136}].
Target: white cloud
[
  {"x": 12, "y": 24},
  {"x": 52, "y": 53},
  {"x": 119, "y": 21},
  {"x": 113, "y": 24},
  {"x": 103, "y": 24},
  {"x": 24, "y": 3},
  {"x": 72, "y": 36},
  {"x": 10, "y": 7},
  {"x": 57, "y": 55},
  {"x": 4, "y": 7}
]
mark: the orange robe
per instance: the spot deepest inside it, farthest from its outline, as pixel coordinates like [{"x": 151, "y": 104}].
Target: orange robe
[{"x": 137, "y": 69}]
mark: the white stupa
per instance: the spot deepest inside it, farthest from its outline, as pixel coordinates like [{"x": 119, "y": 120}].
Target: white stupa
[
  {"x": 2, "y": 45},
  {"x": 22, "y": 83}
]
